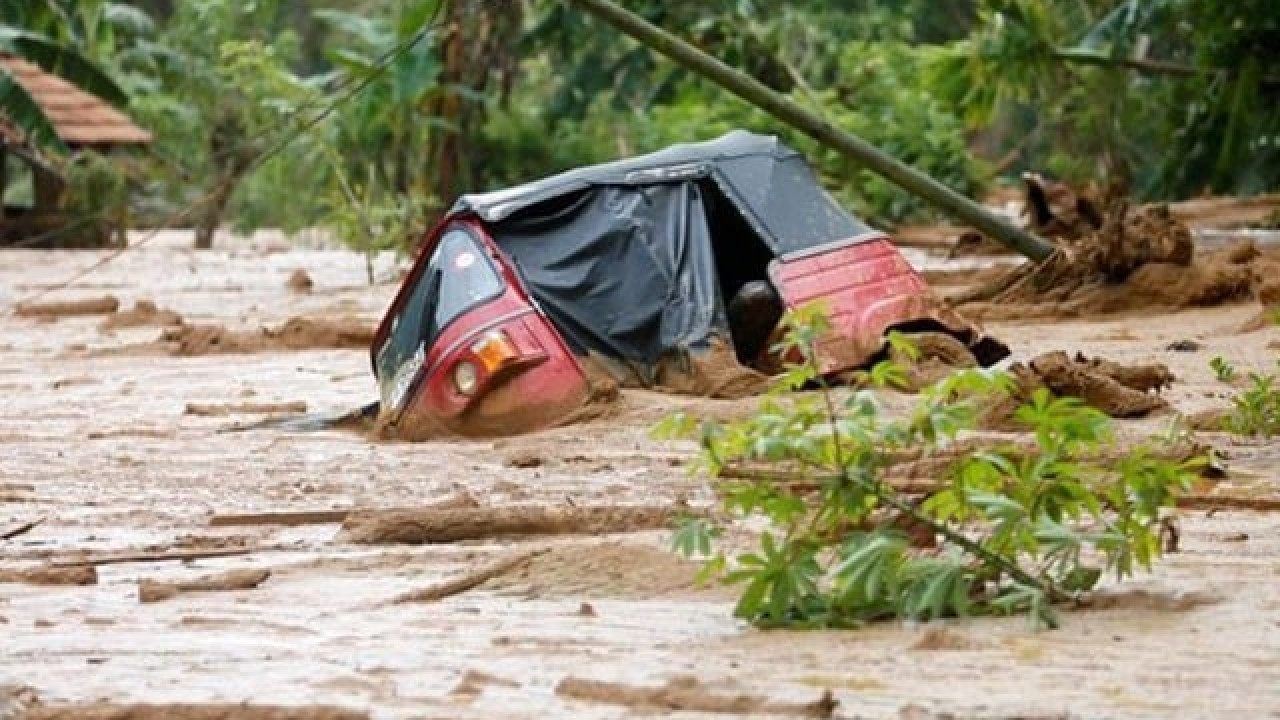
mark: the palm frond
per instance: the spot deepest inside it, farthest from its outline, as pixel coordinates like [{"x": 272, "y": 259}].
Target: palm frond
[
  {"x": 19, "y": 108},
  {"x": 63, "y": 61},
  {"x": 127, "y": 18}
]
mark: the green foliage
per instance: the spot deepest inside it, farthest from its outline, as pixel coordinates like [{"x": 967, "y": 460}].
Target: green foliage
[
  {"x": 610, "y": 97},
  {"x": 90, "y": 43},
  {"x": 1018, "y": 529},
  {"x": 262, "y": 103},
  {"x": 1172, "y": 96},
  {"x": 382, "y": 128},
  {"x": 1255, "y": 409},
  {"x": 1225, "y": 133},
  {"x": 1223, "y": 370},
  {"x": 524, "y": 141},
  {"x": 22, "y": 110},
  {"x": 99, "y": 29},
  {"x": 95, "y": 199},
  {"x": 225, "y": 95},
  {"x": 97, "y": 187},
  {"x": 22, "y": 33},
  {"x": 876, "y": 98},
  {"x": 952, "y": 87},
  {"x": 366, "y": 217}
]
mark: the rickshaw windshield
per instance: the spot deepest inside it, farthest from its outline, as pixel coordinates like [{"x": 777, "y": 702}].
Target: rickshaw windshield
[{"x": 458, "y": 277}]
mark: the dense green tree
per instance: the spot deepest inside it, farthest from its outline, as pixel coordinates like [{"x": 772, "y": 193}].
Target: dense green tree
[
  {"x": 431, "y": 98},
  {"x": 1173, "y": 96},
  {"x": 225, "y": 90},
  {"x": 859, "y": 69}
]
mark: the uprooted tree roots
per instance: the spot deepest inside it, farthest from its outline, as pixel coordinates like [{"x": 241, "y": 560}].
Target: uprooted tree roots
[
  {"x": 1143, "y": 258},
  {"x": 1121, "y": 391},
  {"x": 936, "y": 356}
]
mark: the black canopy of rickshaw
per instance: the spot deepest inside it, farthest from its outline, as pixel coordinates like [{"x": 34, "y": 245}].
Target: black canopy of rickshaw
[{"x": 635, "y": 259}]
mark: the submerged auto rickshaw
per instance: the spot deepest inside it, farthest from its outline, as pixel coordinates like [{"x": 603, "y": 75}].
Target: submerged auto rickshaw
[{"x": 519, "y": 297}]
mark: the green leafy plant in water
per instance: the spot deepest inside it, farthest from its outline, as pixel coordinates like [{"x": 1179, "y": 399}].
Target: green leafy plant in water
[
  {"x": 1018, "y": 528},
  {"x": 1223, "y": 370},
  {"x": 1255, "y": 410}
]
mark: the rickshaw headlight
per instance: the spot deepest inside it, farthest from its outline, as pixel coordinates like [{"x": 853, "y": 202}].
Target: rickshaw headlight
[{"x": 464, "y": 377}]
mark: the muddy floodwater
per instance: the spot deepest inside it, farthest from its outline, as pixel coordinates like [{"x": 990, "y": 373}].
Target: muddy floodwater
[{"x": 122, "y": 444}]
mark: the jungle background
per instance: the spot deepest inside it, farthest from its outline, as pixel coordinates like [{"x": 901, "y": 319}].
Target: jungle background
[{"x": 369, "y": 117}]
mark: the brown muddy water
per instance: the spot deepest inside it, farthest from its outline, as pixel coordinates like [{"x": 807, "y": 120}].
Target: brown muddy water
[{"x": 96, "y": 440}]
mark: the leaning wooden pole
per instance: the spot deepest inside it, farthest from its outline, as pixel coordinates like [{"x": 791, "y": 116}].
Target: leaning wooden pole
[{"x": 852, "y": 146}]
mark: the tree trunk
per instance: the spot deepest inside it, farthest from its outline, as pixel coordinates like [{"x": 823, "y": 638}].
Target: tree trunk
[
  {"x": 479, "y": 45},
  {"x": 215, "y": 207},
  {"x": 847, "y": 144},
  {"x": 447, "y": 145}
]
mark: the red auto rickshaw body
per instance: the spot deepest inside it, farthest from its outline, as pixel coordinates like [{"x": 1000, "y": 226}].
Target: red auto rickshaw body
[
  {"x": 868, "y": 289},
  {"x": 496, "y": 367}
]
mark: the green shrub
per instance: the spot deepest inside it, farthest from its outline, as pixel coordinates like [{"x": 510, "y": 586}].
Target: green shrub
[
  {"x": 1255, "y": 410},
  {"x": 878, "y": 99},
  {"x": 1018, "y": 528}
]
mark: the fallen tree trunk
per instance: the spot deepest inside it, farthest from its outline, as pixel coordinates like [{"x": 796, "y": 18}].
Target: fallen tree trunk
[
  {"x": 447, "y": 525},
  {"x": 687, "y": 694},
  {"x": 320, "y": 517},
  {"x": 468, "y": 581},
  {"x": 49, "y": 575},
  {"x": 157, "y": 556},
  {"x": 191, "y": 711},
  {"x": 150, "y": 591},
  {"x": 289, "y": 519},
  {"x": 245, "y": 408},
  {"x": 919, "y": 484},
  {"x": 70, "y": 308},
  {"x": 20, "y": 529},
  {"x": 1211, "y": 501}
]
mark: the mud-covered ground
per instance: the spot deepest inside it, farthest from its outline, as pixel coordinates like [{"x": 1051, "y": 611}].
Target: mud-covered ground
[{"x": 119, "y": 444}]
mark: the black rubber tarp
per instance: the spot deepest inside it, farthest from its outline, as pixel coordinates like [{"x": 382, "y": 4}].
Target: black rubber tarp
[
  {"x": 627, "y": 272},
  {"x": 622, "y": 256}
]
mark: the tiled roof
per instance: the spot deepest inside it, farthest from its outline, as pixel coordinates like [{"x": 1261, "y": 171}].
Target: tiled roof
[{"x": 78, "y": 117}]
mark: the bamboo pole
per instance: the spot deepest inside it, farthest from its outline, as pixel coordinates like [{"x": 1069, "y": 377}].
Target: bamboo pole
[{"x": 783, "y": 108}]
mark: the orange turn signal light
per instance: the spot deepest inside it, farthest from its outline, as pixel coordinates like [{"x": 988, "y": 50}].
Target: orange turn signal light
[{"x": 494, "y": 351}]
